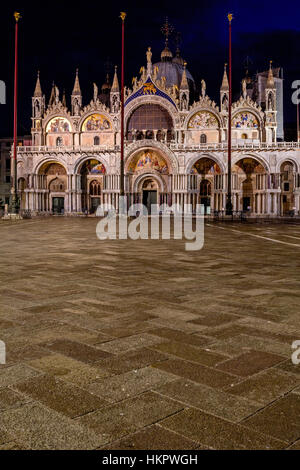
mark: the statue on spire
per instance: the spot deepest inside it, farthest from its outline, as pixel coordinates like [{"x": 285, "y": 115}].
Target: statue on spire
[
  {"x": 203, "y": 88},
  {"x": 149, "y": 55},
  {"x": 95, "y": 96},
  {"x": 244, "y": 88},
  {"x": 56, "y": 95},
  {"x": 149, "y": 61}
]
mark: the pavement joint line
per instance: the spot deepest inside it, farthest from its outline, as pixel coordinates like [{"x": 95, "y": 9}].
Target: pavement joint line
[
  {"x": 258, "y": 236},
  {"x": 290, "y": 236}
]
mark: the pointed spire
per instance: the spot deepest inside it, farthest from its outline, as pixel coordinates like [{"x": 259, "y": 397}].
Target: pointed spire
[
  {"x": 270, "y": 81},
  {"x": 76, "y": 89},
  {"x": 64, "y": 101},
  {"x": 38, "y": 89},
  {"x": 115, "y": 86},
  {"x": 52, "y": 95},
  {"x": 225, "y": 84},
  {"x": 184, "y": 83}
]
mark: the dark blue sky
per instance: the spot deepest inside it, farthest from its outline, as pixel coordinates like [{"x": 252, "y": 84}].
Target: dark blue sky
[{"x": 57, "y": 37}]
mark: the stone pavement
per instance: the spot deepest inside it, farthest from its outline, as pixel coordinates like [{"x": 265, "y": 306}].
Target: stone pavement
[{"x": 127, "y": 344}]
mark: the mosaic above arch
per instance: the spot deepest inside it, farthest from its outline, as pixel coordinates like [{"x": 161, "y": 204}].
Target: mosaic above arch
[
  {"x": 52, "y": 168},
  {"x": 245, "y": 121},
  {"x": 58, "y": 124},
  {"x": 248, "y": 166},
  {"x": 148, "y": 160},
  {"x": 205, "y": 166},
  {"x": 96, "y": 122},
  {"x": 93, "y": 167},
  {"x": 203, "y": 119}
]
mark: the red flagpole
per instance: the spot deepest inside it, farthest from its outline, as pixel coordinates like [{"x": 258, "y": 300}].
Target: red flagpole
[
  {"x": 14, "y": 167},
  {"x": 229, "y": 198},
  {"x": 122, "y": 16},
  {"x": 298, "y": 122}
]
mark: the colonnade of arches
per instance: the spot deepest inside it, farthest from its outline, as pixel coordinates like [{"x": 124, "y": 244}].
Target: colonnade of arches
[{"x": 254, "y": 189}]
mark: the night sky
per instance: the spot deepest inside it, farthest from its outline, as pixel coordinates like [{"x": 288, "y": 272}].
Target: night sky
[{"x": 57, "y": 37}]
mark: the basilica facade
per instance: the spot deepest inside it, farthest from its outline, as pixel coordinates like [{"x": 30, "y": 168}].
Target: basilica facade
[{"x": 175, "y": 147}]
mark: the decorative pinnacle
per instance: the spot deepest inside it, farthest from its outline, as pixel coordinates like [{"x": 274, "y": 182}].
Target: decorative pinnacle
[
  {"x": 17, "y": 16},
  {"x": 270, "y": 79},
  {"x": 230, "y": 17},
  {"x": 123, "y": 15},
  {"x": 225, "y": 84}
]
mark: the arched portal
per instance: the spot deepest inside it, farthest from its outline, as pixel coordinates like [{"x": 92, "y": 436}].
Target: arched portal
[
  {"x": 53, "y": 179},
  {"x": 22, "y": 185},
  {"x": 147, "y": 173},
  {"x": 249, "y": 184},
  {"x": 209, "y": 184},
  {"x": 287, "y": 184},
  {"x": 91, "y": 177}
]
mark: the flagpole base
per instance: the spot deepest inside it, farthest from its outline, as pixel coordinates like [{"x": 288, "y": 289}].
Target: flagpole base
[
  {"x": 228, "y": 206},
  {"x": 12, "y": 216}
]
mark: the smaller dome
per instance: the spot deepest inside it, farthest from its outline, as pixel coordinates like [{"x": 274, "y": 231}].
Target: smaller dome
[
  {"x": 172, "y": 71},
  {"x": 178, "y": 59},
  {"x": 106, "y": 85},
  {"x": 166, "y": 55}
]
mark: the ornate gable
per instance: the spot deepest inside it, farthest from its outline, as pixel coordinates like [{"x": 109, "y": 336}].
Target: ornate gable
[
  {"x": 149, "y": 88},
  {"x": 248, "y": 104}
]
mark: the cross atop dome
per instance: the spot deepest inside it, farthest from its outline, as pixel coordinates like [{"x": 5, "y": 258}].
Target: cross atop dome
[{"x": 167, "y": 29}]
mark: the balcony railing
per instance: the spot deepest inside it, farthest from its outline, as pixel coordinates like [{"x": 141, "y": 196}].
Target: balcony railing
[{"x": 222, "y": 146}]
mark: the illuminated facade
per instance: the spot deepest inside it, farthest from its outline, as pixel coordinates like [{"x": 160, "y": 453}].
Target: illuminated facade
[{"x": 175, "y": 147}]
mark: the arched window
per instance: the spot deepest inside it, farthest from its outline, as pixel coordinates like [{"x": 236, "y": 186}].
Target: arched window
[
  {"x": 57, "y": 185},
  {"x": 149, "y": 117},
  {"x": 21, "y": 184},
  {"x": 159, "y": 135},
  {"x": 95, "y": 188},
  {"x": 96, "y": 140},
  {"x": 139, "y": 135},
  {"x": 203, "y": 139},
  {"x": 244, "y": 136},
  {"x": 149, "y": 135},
  {"x": 59, "y": 142}
]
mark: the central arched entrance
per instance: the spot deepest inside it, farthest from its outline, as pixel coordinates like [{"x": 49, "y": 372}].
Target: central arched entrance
[{"x": 147, "y": 173}]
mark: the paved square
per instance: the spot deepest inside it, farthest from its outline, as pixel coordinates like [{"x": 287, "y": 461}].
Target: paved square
[{"x": 124, "y": 344}]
